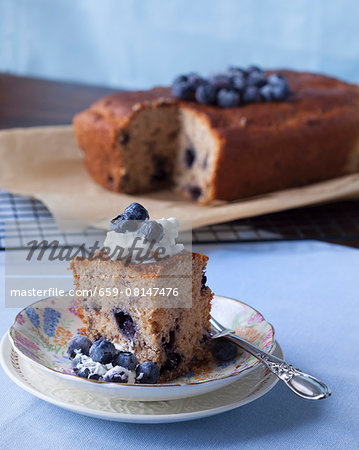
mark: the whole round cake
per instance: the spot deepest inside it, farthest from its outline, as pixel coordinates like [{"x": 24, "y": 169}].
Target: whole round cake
[{"x": 223, "y": 140}]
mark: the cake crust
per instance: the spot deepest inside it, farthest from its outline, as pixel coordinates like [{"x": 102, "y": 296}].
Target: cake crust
[{"x": 260, "y": 148}]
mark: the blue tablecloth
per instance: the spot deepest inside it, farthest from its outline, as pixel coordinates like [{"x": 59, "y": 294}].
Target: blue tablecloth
[{"x": 309, "y": 291}]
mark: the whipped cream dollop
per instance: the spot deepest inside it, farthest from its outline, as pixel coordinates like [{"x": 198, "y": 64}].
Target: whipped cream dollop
[
  {"x": 121, "y": 245},
  {"x": 104, "y": 372}
]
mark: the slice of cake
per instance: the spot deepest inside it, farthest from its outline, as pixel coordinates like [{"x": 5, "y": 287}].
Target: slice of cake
[
  {"x": 237, "y": 135},
  {"x": 154, "y": 304}
]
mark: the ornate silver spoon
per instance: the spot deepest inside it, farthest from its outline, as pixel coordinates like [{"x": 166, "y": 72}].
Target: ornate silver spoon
[{"x": 300, "y": 383}]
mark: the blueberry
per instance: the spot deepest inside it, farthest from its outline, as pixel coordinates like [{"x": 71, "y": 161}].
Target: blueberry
[
  {"x": 125, "y": 359},
  {"x": 125, "y": 323},
  {"x": 183, "y": 90},
  {"x": 121, "y": 224},
  {"x": 85, "y": 372},
  {"x": 172, "y": 362},
  {"x": 135, "y": 211},
  {"x": 251, "y": 95},
  {"x": 239, "y": 82},
  {"x": 189, "y": 157},
  {"x": 256, "y": 78},
  {"x": 228, "y": 98},
  {"x": 279, "y": 93},
  {"x": 79, "y": 344},
  {"x": 224, "y": 350},
  {"x": 203, "y": 281},
  {"x": 266, "y": 92},
  {"x": 277, "y": 80},
  {"x": 180, "y": 78},
  {"x": 221, "y": 81},
  {"x": 252, "y": 68},
  {"x": 76, "y": 362},
  {"x": 234, "y": 71},
  {"x": 194, "y": 80},
  {"x": 206, "y": 93},
  {"x": 147, "y": 373},
  {"x": 152, "y": 231},
  {"x": 103, "y": 351},
  {"x": 195, "y": 192},
  {"x": 280, "y": 88},
  {"x": 116, "y": 375}
]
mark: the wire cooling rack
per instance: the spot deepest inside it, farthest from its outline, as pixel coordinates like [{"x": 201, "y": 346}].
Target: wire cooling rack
[{"x": 26, "y": 218}]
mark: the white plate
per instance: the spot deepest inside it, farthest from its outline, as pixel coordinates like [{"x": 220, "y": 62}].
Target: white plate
[
  {"x": 249, "y": 387},
  {"x": 42, "y": 330}
]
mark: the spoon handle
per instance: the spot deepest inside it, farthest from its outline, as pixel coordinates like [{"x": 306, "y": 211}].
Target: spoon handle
[{"x": 300, "y": 383}]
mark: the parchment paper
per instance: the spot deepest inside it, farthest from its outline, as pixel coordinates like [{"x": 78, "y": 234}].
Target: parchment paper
[{"x": 45, "y": 163}]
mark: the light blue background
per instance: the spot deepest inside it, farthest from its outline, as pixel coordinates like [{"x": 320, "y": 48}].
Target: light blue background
[{"x": 140, "y": 43}]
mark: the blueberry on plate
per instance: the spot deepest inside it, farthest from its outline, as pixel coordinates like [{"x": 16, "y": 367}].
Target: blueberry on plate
[
  {"x": 85, "y": 372},
  {"x": 251, "y": 95},
  {"x": 224, "y": 350},
  {"x": 152, "y": 231},
  {"x": 77, "y": 362},
  {"x": 135, "y": 211},
  {"x": 183, "y": 90},
  {"x": 103, "y": 351},
  {"x": 116, "y": 375},
  {"x": 79, "y": 344},
  {"x": 147, "y": 373},
  {"x": 126, "y": 360},
  {"x": 228, "y": 98},
  {"x": 206, "y": 94}
]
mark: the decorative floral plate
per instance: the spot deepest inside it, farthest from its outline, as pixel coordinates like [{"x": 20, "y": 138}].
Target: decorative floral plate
[
  {"x": 42, "y": 331},
  {"x": 252, "y": 385}
]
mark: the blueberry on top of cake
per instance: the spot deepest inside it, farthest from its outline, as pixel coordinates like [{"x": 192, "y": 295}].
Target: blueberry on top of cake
[
  {"x": 233, "y": 135},
  {"x": 233, "y": 88},
  {"x": 157, "y": 309},
  {"x": 132, "y": 235}
]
